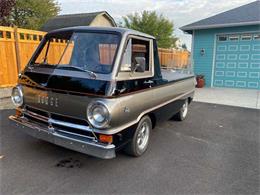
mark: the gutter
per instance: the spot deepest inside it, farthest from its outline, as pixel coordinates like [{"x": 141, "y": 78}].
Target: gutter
[{"x": 200, "y": 27}]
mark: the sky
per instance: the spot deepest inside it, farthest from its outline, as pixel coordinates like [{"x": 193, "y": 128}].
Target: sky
[{"x": 180, "y": 12}]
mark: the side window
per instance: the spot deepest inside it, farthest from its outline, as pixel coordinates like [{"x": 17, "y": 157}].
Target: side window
[{"x": 136, "y": 57}]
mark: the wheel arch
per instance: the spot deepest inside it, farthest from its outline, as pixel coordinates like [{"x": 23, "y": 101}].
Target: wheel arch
[
  {"x": 153, "y": 118},
  {"x": 190, "y": 99}
]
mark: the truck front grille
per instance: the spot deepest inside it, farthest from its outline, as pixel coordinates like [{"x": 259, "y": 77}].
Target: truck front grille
[{"x": 59, "y": 122}]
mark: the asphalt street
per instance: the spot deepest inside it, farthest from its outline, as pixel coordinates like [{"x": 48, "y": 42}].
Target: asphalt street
[{"x": 216, "y": 150}]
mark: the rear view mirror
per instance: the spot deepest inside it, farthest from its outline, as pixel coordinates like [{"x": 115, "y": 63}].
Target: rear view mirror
[{"x": 139, "y": 66}]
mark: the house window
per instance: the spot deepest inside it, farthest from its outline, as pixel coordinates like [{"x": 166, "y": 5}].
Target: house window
[
  {"x": 222, "y": 38},
  {"x": 246, "y": 37},
  {"x": 257, "y": 37},
  {"x": 233, "y": 37}
]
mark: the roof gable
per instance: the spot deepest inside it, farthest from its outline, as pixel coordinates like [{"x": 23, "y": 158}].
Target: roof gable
[
  {"x": 70, "y": 20},
  {"x": 248, "y": 14}
]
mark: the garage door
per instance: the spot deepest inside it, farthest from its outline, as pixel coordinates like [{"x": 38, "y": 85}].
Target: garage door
[{"x": 237, "y": 61}]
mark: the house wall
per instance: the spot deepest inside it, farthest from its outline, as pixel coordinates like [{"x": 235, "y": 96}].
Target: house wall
[
  {"x": 101, "y": 20},
  {"x": 206, "y": 39}
]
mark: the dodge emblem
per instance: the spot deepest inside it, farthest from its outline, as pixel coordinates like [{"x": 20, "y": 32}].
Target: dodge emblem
[{"x": 48, "y": 101}]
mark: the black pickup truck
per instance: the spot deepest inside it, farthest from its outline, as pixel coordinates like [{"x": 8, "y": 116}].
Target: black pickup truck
[{"x": 97, "y": 90}]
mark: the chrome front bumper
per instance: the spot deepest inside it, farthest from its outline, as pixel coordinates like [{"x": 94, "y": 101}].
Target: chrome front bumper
[{"x": 74, "y": 142}]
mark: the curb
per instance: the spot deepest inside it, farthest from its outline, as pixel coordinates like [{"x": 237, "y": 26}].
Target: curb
[{"x": 5, "y": 93}]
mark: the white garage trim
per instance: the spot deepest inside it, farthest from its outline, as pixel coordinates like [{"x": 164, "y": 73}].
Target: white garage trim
[{"x": 213, "y": 60}]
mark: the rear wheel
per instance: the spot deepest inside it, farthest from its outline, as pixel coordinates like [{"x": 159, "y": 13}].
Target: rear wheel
[
  {"x": 182, "y": 114},
  {"x": 140, "y": 141}
]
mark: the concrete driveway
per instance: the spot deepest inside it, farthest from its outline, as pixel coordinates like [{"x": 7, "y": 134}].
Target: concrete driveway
[
  {"x": 214, "y": 151},
  {"x": 227, "y": 96}
]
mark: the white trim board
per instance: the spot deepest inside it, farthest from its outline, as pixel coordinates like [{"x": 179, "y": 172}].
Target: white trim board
[{"x": 213, "y": 59}]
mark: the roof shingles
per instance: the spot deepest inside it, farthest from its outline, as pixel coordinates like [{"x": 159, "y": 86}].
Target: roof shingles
[
  {"x": 245, "y": 15},
  {"x": 70, "y": 20}
]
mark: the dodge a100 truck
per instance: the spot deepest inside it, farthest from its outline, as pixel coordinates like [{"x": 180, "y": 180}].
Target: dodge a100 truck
[{"x": 97, "y": 90}]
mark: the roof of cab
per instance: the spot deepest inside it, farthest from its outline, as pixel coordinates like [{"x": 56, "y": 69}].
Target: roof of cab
[{"x": 105, "y": 29}]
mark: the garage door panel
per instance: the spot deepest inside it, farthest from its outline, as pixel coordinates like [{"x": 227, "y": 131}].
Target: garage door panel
[
  {"x": 237, "y": 62},
  {"x": 245, "y": 48},
  {"x": 231, "y": 65},
  {"x": 256, "y": 47},
  {"x": 255, "y": 65}
]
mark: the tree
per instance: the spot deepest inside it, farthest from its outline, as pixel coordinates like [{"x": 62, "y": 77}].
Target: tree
[
  {"x": 151, "y": 23},
  {"x": 33, "y": 14},
  {"x": 5, "y": 10}
]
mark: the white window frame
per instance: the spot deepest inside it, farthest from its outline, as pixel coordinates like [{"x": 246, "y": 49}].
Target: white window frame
[
  {"x": 256, "y": 35},
  {"x": 222, "y": 36},
  {"x": 233, "y": 36},
  {"x": 246, "y": 36}
]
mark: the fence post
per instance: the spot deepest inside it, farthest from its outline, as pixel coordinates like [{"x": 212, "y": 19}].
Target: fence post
[{"x": 17, "y": 51}]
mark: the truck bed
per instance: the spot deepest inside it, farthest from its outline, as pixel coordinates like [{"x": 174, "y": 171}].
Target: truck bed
[{"x": 173, "y": 75}]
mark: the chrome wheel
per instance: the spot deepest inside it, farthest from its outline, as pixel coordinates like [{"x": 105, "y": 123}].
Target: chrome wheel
[
  {"x": 182, "y": 114},
  {"x": 140, "y": 141},
  {"x": 143, "y": 136},
  {"x": 184, "y": 109}
]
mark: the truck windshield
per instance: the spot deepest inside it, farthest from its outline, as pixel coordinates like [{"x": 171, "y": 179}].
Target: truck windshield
[{"x": 88, "y": 52}]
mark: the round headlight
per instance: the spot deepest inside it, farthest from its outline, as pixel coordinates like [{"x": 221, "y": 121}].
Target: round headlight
[
  {"x": 17, "y": 96},
  {"x": 98, "y": 114}
]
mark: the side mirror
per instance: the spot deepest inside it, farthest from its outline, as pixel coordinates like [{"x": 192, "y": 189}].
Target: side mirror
[{"x": 139, "y": 66}]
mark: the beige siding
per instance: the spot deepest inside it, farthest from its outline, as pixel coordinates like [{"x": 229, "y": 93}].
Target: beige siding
[{"x": 101, "y": 20}]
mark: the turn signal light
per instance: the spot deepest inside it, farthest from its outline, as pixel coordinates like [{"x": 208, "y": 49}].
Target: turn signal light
[{"x": 106, "y": 138}]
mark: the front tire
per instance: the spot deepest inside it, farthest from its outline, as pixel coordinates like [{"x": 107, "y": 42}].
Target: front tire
[
  {"x": 182, "y": 114},
  {"x": 140, "y": 141}
]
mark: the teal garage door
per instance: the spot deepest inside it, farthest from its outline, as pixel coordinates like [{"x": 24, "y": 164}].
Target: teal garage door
[{"x": 237, "y": 61}]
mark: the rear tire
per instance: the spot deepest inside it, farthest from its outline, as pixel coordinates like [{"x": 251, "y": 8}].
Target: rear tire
[
  {"x": 140, "y": 140},
  {"x": 182, "y": 114}
]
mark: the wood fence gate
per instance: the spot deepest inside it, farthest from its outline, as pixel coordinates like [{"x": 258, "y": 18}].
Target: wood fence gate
[{"x": 16, "y": 47}]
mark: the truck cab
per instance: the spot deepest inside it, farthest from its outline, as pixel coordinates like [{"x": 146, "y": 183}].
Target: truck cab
[{"x": 97, "y": 90}]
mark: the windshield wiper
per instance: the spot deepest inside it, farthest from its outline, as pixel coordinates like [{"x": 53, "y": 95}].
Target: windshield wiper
[
  {"x": 91, "y": 73},
  {"x": 42, "y": 64}
]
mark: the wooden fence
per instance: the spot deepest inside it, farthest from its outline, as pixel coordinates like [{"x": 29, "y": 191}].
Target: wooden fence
[
  {"x": 17, "y": 46},
  {"x": 171, "y": 58}
]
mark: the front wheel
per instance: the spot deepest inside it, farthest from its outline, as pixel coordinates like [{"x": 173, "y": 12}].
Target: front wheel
[
  {"x": 139, "y": 143},
  {"x": 182, "y": 114}
]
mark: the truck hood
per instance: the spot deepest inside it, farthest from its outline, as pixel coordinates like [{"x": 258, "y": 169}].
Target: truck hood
[{"x": 60, "y": 95}]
